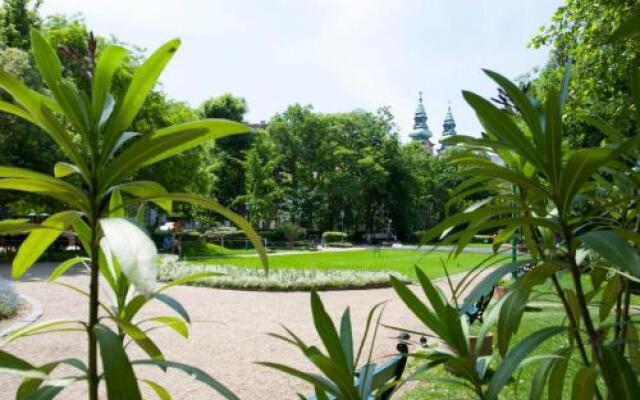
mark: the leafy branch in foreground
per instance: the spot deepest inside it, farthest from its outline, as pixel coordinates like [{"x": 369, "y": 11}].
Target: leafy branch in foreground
[
  {"x": 339, "y": 365},
  {"x": 577, "y": 211},
  {"x": 95, "y": 182}
]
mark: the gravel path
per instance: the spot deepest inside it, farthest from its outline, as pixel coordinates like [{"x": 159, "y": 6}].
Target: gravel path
[{"x": 227, "y": 336}]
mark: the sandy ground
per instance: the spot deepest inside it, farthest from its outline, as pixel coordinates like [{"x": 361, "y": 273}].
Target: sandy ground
[{"x": 228, "y": 335}]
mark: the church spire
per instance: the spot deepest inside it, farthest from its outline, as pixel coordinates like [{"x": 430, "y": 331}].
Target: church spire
[
  {"x": 449, "y": 125},
  {"x": 421, "y": 132}
]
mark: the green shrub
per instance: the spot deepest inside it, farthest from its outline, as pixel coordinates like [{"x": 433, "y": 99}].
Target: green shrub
[
  {"x": 340, "y": 244},
  {"x": 291, "y": 232},
  {"x": 271, "y": 236},
  {"x": 190, "y": 236},
  {"x": 333, "y": 237},
  {"x": 8, "y": 299}
]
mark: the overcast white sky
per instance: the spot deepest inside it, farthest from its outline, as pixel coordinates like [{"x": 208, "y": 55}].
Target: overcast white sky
[{"x": 335, "y": 54}]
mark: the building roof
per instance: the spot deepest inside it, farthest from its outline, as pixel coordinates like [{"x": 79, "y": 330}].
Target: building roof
[{"x": 421, "y": 132}]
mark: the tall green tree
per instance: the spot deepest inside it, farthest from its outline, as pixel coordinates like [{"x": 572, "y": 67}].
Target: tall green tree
[
  {"x": 580, "y": 30},
  {"x": 16, "y": 20},
  {"x": 229, "y": 153}
]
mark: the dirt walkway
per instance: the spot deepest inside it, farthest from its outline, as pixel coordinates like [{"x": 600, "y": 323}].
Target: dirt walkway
[{"x": 227, "y": 337}]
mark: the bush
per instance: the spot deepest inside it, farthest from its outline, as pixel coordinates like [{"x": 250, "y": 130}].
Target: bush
[
  {"x": 333, "y": 237},
  {"x": 277, "y": 279},
  {"x": 291, "y": 232},
  {"x": 340, "y": 244},
  {"x": 8, "y": 299},
  {"x": 190, "y": 236},
  {"x": 271, "y": 236}
]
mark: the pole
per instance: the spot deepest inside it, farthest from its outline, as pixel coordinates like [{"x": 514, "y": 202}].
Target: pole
[{"x": 514, "y": 244}]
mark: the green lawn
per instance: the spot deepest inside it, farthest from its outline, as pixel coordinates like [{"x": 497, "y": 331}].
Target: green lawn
[
  {"x": 402, "y": 261},
  {"x": 438, "y": 384}
]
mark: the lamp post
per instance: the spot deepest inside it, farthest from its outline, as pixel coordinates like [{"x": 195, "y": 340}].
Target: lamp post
[{"x": 342, "y": 225}]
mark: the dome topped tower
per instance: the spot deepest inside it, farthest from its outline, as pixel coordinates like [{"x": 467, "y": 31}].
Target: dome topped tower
[
  {"x": 421, "y": 132},
  {"x": 449, "y": 126}
]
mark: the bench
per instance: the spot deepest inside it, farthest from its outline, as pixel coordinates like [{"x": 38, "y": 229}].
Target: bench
[
  {"x": 476, "y": 313},
  {"x": 385, "y": 375}
]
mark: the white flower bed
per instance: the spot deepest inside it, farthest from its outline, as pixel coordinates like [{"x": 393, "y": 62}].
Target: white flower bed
[{"x": 277, "y": 279}]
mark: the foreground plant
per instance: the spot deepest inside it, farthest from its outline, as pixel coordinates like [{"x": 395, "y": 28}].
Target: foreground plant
[
  {"x": 95, "y": 182},
  {"x": 341, "y": 378},
  {"x": 564, "y": 204}
]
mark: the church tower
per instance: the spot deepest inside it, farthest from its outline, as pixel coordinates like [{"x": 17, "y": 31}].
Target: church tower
[
  {"x": 449, "y": 127},
  {"x": 421, "y": 132}
]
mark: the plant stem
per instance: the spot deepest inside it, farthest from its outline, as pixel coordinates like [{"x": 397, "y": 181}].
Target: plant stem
[
  {"x": 93, "y": 311},
  {"x": 94, "y": 220},
  {"x": 594, "y": 335}
]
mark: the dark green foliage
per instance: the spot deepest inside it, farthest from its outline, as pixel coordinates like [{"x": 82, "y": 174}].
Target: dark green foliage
[{"x": 581, "y": 30}]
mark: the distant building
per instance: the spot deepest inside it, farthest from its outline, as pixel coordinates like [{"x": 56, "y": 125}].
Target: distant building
[
  {"x": 421, "y": 132},
  {"x": 449, "y": 127},
  {"x": 258, "y": 125}
]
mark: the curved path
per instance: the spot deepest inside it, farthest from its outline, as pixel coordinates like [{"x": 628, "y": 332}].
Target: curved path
[{"x": 229, "y": 333}]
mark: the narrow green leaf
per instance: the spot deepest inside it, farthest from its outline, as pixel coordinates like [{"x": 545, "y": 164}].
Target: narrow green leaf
[
  {"x": 14, "y": 365},
  {"x": 167, "y": 142},
  {"x": 161, "y": 392},
  {"x": 209, "y": 204},
  {"x": 118, "y": 373},
  {"x": 144, "y": 79},
  {"x": 580, "y": 167},
  {"x": 633, "y": 343},
  {"x": 141, "y": 339},
  {"x": 553, "y": 139},
  {"x": 613, "y": 248},
  {"x": 346, "y": 338},
  {"x": 173, "y": 304},
  {"x": 557, "y": 377},
  {"x": 622, "y": 381},
  {"x": 174, "y": 323},
  {"x": 515, "y": 356},
  {"x": 39, "y": 240},
  {"x": 426, "y": 316},
  {"x": 528, "y": 111},
  {"x": 108, "y": 62},
  {"x": 609, "y": 297},
  {"x": 62, "y": 169},
  {"x": 327, "y": 331},
  {"x": 147, "y": 189},
  {"x": 116, "y": 207},
  {"x": 502, "y": 126},
  {"x": 544, "y": 371},
  {"x": 584, "y": 384},
  {"x": 489, "y": 281},
  {"x": 194, "y": 372}
]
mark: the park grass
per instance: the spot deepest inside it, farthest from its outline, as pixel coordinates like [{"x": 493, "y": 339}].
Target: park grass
[
  {"x": 401, "y": 261},
  {"x": 203, "y": 249},
  {"x": 438, "y": 384}
]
